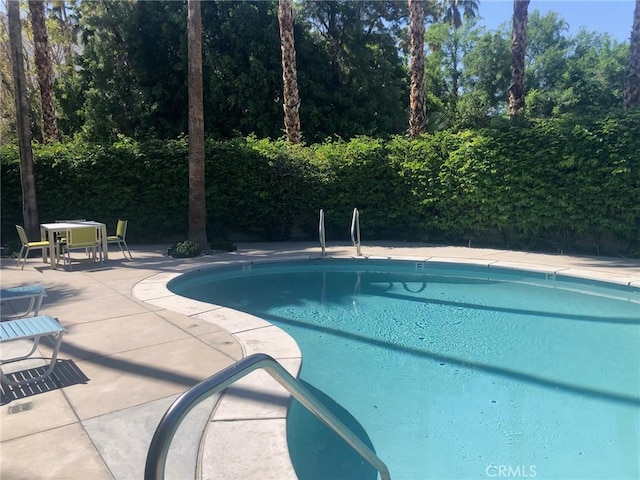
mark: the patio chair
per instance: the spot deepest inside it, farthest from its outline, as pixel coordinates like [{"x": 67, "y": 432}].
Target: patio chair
[
  {"x": 61, "y": 237},
  {"x": 87, "y": 239},
  {"x": 119, "y": 237},
  {"x": 28, "y": 246},
  {"x": 34, "y": 294}
]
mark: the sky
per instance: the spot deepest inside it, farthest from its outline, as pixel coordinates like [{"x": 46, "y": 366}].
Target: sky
[{"x": 614, "y": 17}]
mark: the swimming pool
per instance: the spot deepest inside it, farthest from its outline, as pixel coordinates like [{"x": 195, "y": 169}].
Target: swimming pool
[{"x": 452, "y": 371}]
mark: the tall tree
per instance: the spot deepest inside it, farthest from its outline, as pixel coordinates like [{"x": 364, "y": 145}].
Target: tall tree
[
  {"x": 64, "y": 26},
  {"x": 43, "y": 69},
  {"x": 632, "y": 85},
  {"x": 197, "y": 205},
  {"x": 113, "y": 101},
  {"x": 452, "y": 12},
  {"x": 518, "y": 50},
  {"x": 27, "y": 177},
  {"x": 417, "y": 109},
  {"x": 291, "y": 99},
  {"x": 443, "y": 75},
  {"x": 355, "y": 82},
  {"x": 242, "y": 66},
  {"x": 485, "y": 78},
  {"x": 592, "y": 77}
]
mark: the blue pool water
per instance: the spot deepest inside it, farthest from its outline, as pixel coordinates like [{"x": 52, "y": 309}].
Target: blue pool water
[{"x": 452, "y": 371}]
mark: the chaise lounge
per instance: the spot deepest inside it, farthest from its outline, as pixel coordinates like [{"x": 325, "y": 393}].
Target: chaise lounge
[
  {"x": 34, "y": 293},
  {"x": 33, "y": 328}
]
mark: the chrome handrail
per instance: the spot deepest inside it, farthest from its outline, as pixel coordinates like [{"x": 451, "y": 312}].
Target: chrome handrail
[
  {"x": 322, "y": 232},
  {"x": 161, "y": 441},
  {"x": 355, "y": 231}
]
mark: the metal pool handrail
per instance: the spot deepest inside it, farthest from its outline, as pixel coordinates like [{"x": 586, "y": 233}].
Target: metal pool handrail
[
  {"x": 159, "y": 448},
  {"x": 355, "y": 230},
  {"x": 321, "y": 230}
]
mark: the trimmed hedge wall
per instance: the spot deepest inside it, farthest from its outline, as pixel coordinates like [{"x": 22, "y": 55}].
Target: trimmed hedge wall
[{"x": 556, "y": 185}]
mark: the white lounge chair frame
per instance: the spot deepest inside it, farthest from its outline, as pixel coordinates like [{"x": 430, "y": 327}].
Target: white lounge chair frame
[
  {"x": 33, "y": 328},
  {"x": 34, "y": 293}
]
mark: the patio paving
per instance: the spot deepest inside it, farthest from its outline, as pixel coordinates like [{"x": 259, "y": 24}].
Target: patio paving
[{"x": 125, "y": 360}]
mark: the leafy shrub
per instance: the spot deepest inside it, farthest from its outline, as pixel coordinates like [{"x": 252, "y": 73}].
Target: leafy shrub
[
  {"x": 184, "y": 249},
  {"x": 562, "y": 184}
]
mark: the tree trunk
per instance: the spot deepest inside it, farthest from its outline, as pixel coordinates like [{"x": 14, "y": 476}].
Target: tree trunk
[
  {"x": 291, "y": 101},
  {"x": 518, "y": 49},
  {"x": 455, "y": 73},
  {"x": 43, "y": 68},
  {"x": 23, "y": 123},
  {"x": 197, "y": 188},
  {"x": 417, "y": 108},
  {"x": 632, "y": 85}
]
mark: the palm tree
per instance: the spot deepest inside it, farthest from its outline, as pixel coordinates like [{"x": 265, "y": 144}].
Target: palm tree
[
  {"x": 27, "y": 178},
  {"x": 291, "y": 100},
  {"x": 632, "y": 85},
  {"x": 197, "y": 205},
  {"x": 518, "y": 49},
  {"x": 454, "y": 10},
  {"x": 417, "y": 109},
  {"x": 43, "y": 68}
]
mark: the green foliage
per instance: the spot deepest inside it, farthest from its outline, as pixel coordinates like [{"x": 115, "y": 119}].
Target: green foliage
[
  {"x": 564, "y": 184},
  {"x": 185, "y": 249},
  {"x": 114, "y": 100},
  {"x": 565, "y": 74},
  {"x": 258, "y": 188},
  {"x": 131, "y": 70},
  {"x": 121, "y": 69},
  {"x": 241, "y": 69},
  {"x": 582, "y": 74},
  {"x": 351, "y": 76},
  {"x": 485, "y": 79}
]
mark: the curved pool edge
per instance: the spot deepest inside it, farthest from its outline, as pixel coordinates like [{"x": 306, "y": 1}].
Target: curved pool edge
[{"x": 251, "y": 415}]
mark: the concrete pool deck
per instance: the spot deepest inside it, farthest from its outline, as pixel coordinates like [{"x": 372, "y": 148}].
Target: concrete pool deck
[{"x": 133, "y": 347}]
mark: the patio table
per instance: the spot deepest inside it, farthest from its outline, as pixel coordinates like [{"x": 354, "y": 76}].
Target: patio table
[{"x": 48, "y": 233}]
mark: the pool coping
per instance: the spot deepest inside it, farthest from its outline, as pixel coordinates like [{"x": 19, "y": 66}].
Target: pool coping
[
  {"x": 240, "y": 417},
  {"x": 250, "y": 416}
]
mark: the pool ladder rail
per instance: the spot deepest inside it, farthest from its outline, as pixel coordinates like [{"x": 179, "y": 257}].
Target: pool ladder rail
[
  {"x": 355, "y": 231},
  {"x": 159, "y": 448},
  {"x": 322, "y": 232}
]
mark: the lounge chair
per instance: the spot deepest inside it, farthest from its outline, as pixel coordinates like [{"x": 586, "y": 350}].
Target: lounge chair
[
  {"x": 33, "y": 328},
  {"x": 33, "y": 293}
]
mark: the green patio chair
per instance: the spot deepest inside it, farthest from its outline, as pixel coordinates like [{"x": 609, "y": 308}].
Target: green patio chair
[
  {"x": 119, "y": 237},
  {"x": 28, "y": 246},
  {"x": 87, "y": 239}
]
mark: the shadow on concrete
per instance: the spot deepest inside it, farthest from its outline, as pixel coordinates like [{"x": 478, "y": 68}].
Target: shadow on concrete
[{"x": 64, "y": 374}]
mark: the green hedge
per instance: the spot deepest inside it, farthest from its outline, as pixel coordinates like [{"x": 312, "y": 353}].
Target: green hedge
[{"x": 561, "y": 185}]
